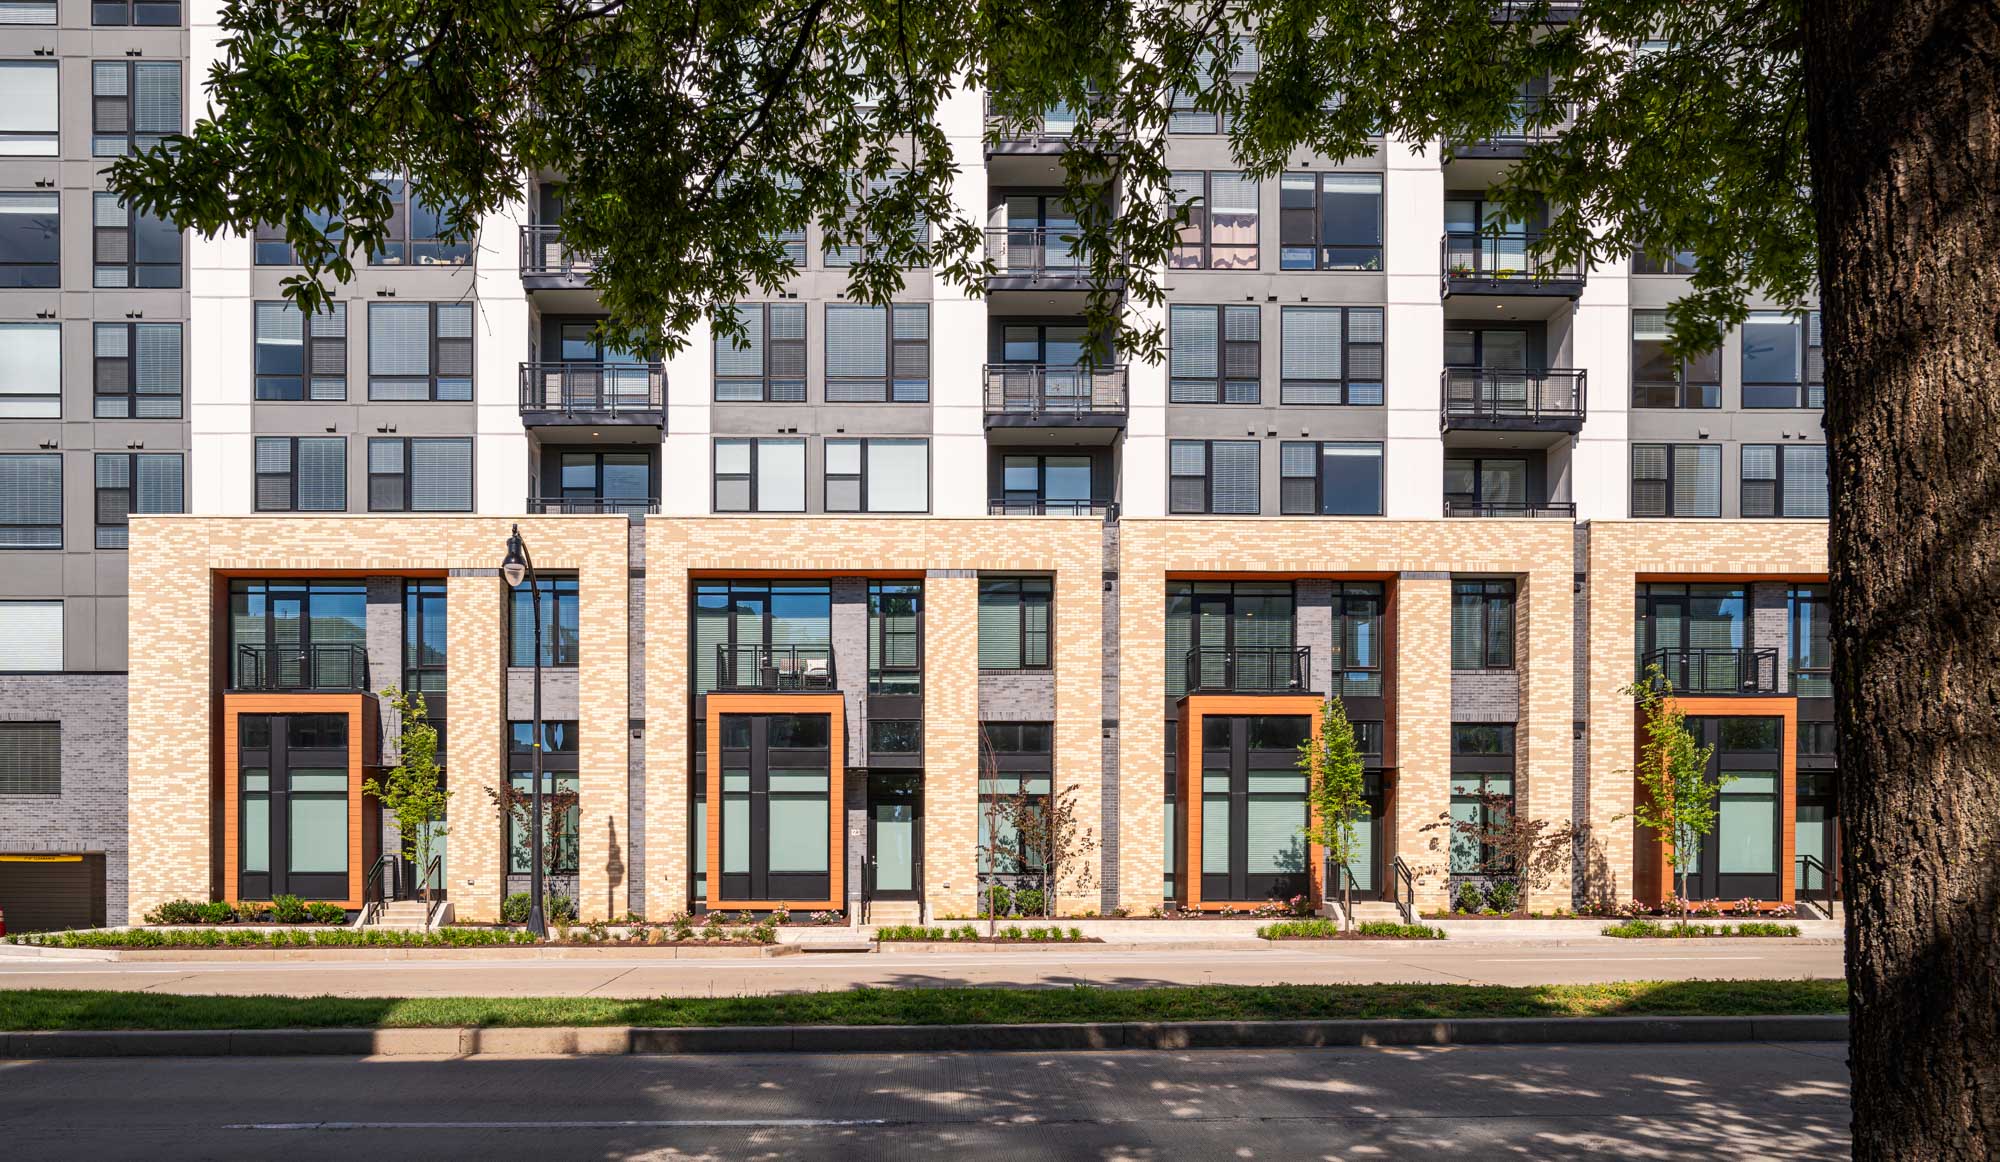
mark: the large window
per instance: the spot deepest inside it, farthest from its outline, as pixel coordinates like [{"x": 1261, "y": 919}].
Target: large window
[
  {"x": 1786, "y": 480},
  {"x": 1014, "y": 622},
  {"x": 1243, "y": 632},
  {"x": 1702, "y": 628},
  {"x": 598, "y": 481},
  {"x": 134, "y": 105},
  {"x": 1214, "y": 354},
  {"x": 1487, "y": 484},
  {"x": 416, "y": 231},
  {"x": 1331, "y": 478},
  {"x": 420, "y": 474},
  {"x": 560, "y": 629},
  {"x": 30, "y": 240},
  {"x": 28, "y": 108},
  {"x": 1676, "y": 480},
  {"x": 771, "y": 363},
  {"x": 138, "y": 371},
  {"x": 1221, "y": 233},
  {"x": 1330, "y": 355},
  {"x": 420, "y": 351},
  {"x": 301, "y": 474},
  {"x": 1330, "y": 221},
  {"x": 271, "y": 248},
  {"x": 31, "y": 371},
  {"x": 755, "y": 626},
  {"x": 1357, "y": 649},
  {"x": 29, "y": 12},
  {"x": 424, "y": 642},
  {"x": 1811, "y": 641},
  {"x": 895, "y": 637},
  {"x": 1212, "y": 476},
  {"x": 559, "y": 779},
  {"x": 1188, "y": 112},
  {"x": 31, "y": 634},
  {"x": 30, "y": 758},
  {"x": 1482, "y": 793},
  {"x": 760, "y": 475},
  {"x": 145, "y": 13},
  {"x": 1660, "y": 381},
  {"x": 777, "y": 807},
  {"x": 868, "y": 244},
  {"x": 130, "y": 248},
  {"x": 1783, "y": 364},
  {"x": 300, "y": 357},
  {"x": 1677, "y": 262},
  {"x": 870, "y": 361},
  {"x": 1041, "y": 484},
  {"x": 1018, "y": 760},
  {"x": 1253, "y": 807},
  {"x": 878, "y": 475},
  {"x": 135, "y": 482},
  {"x": 1482, "y": 625},
  {"x": 31, "y": 500},
  {"x": 288, "y": 635},
  {"x": 293, "y": 772}
]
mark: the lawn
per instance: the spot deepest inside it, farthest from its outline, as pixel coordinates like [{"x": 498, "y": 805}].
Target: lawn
[{"x": 36, "y": 1009}]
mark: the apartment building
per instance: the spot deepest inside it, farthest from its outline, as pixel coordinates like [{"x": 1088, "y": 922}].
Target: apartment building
[{"x": 811, "y": 604}]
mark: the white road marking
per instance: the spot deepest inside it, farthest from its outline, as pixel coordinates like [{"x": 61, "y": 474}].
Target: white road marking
[{"x": 637, "y": 1124}]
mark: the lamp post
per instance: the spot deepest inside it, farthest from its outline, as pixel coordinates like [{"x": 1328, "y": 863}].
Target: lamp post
[{"x": 519, "y": 567}]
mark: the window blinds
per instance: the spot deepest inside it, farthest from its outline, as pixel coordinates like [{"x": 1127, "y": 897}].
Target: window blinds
[
  {"x": 31, "y": 635},
  {"x": 30, "y": 370},
  {"x": 31, "y": 501}
]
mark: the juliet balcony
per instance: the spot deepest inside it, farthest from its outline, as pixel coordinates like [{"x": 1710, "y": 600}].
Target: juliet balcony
[
  {"x": 1716, "y": 671},
  {"x": 319, "y": 667},
  {"x": 1249, "y": 670}
]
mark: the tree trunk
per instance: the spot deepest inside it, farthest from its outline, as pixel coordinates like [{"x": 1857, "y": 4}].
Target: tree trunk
[{"x": 1904, "y": 121}]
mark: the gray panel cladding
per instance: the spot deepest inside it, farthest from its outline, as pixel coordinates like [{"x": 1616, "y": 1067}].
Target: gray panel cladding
[{"x": 89, "y": 816}]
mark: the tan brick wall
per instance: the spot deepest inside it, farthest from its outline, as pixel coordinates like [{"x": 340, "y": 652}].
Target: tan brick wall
[
  {"x": 1544, "y": 742},
  {"x": 1422, "y": 710}
]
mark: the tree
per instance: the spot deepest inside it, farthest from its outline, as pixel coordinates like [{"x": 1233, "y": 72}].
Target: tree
[
  {"x": 1336, "y": 793},
  {"x": 1779, "y": 144},
  {"x": 412, "y": 791},
  {"x": 517, "y": 804},
  {"x": 1051, "y": 840},
  {"x": 1508, "y": 845},
  {"x": 1679, "y": 804}
]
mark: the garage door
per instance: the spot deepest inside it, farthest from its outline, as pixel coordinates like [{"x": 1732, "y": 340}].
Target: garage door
[{"x": 41, "y": 892}]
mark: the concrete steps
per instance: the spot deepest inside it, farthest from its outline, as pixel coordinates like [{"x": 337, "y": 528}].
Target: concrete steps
[
  {"x": 403, "y": 916},
  {"x": 1371, "y": 910},
  {"x": 886, "y": 912}
]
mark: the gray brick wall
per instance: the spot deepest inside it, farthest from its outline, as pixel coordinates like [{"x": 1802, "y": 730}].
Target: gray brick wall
[
  {"x": 561, "y": 695},
  {"x": 1314, "y": 629},
  {"x": 1770, "y": 624},
  {"x": 89, "y": 816},
  {"x": 1017, "y": 696},
  {"x": 1108, "y": 847},
  {"x": 1486, "y": 695}
]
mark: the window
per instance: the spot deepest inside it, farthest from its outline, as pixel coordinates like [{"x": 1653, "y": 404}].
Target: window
[
  {"x": 27, "y": 12},
  {"x": 1659, "y": 381},
  {"x": 748, "y": 627},
  {"x": 772, "y": 365},
  {"x": 301, "y": 358},
  {"x": 1702, "y": 631},
  {"x": 840, "y": 256},
  {"x": 895, "y": 638},
  {"x": 134, "y": 105},
  {"x": 1482, "y": 625},
  {"x": 1185, "y": 115},
  {"x": 30, "y": 632},
  {"x": 1357, "y": 650},
  {"x": 30, "y": 241},
  {"x": 420, "y": 351},
  {"x": 868, "y": 362},
  {"x": 1811, "y": 642},
  {"x": 760, "y": 475},
  {"x": 301, "y": 474},
  {"x": 1212, "y": 476},
  {"x": 1333, "y": 478},
  {"x": 146, "y": 13},
  {"x": 878, "y": 475},
  {"x": 131, "y": 249},
  {"x": 1016, "y": 760},
  {"x": 1311, "y": 366},
  {"x": 1014, "y": 622},
  {"x": 1214, "y": 354},
  {"x": 137, "y": 371},
  {"x": 1787, "y": 480},
  {"x": 1482, "y": 794},
  {"x": 1487, "y": 486},
  {"x": 594, "y": 481},
  {"x": 559, "y": 796},
  {"x": 418, "y": 474},
  {"x": 1783, "y": 363},
  {"x": 31, "y": 501},
  {"x": 560, "y": 627},
  {"x": 424, "y": 643},
  {"x": 1221, "y": 233},
  {"x": 1043, "y": 484},
  {"x": 1231, "y": 635},
  {"x": 272, "y": 248},
  {"x": 31, "y": 371},
  {"x": 1676, "y": 480},
  {"x": 30, "y": 758},
  {"x": 28, "y": 108},
  {"x": 416, "y": 231},
  {"x": 1678, "y": 262},
  {"x": 141, "y": 482},
  {"x": 1330, "y": 221}
]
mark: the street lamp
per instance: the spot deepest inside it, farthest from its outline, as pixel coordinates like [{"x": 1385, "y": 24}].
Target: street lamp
[{"x": 519, "y": 567}]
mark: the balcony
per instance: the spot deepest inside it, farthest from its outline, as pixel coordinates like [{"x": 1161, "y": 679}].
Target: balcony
[
  {"x": 1047, "y": 134},
  {"x": 1553, "y": 510},
  {"x": 592, "y": 505},
  {"x": 1485, "y": 399},
  {"x": 1534, "y": 120},
  {"x": 1000, "y": 506},
  {"x": 316, "y": 668},
  {"x": 1710, "y": 671},
  {"x": 593, "y": 394},
  {"x": 1250, "y": 670},
  {"x": 1031, "y": 395},
  {"x": 1484, "y": 264},
  {"x": 761, "y": 669},
  {"x": 1558, "y": 11},
  {"x": 548, "y": 264},
  {"x": 1036, "y": 258}
]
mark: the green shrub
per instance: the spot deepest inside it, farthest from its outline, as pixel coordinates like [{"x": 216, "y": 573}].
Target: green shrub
[
  {"x": 1766, "y": 928},
  {"x": 1011, "y": 932},
  {"x": 1029, "y": 902},
  {"x": 1503, "y": 896},
  {"x": 296, "y": 938},
  {"x": 1653, "y": 929},
  {"x": 1470, "y": 898},
  {"x": 1076, "y": 933},
  {"x": 965, "y": 932},
  {"x": 561, "y": 910},
  {"x": 999, "y": 901},
  {"x": 1294, "y": 929},
  {"x": 321, "y": 912},
  {"x": 217, "y": 912},
  {"x": 251, "y": 911},
  {"x": 1397, "y": 931},
  {"x": 288, "y": 909},
  {"x": 1327, "y": 929},
  {"x": 514, "y": 909},
  {"x": 175, "y": 912},
  {"x": 765, "y": 933}
]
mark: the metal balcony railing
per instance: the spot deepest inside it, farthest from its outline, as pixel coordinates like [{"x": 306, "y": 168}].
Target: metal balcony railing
[
  {"x": 1249, "y": 670},
  {"x": 592, "y": 504},
  {"x": 1474, "y": 256},
  {"x": 1531, "y": 120},
  {"x": 543, "y": 253},
  {"x": 1716, "y": 670},
  {"x": 1563, "y": 509},
  {"x": 774, "y": 668},
  {"x": 1559, "y": 11},
  {"x": 1001, "y": 506},
  {"x": 1054, "y": 390},
  {"x": 1049, "y": 131},
  {"x": 568, "y": 388},
  {"x": 1039, "y": 252},
  {"x": 1486, "y": 393},
  {"x": 320, "y": 666}
]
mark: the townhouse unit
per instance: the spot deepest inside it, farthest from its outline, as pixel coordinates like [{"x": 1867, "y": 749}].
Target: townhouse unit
[{"x": 811, "y": 604}]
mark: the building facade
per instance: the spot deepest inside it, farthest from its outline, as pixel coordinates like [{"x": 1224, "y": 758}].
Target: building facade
[{"x": 810, "y": 606}]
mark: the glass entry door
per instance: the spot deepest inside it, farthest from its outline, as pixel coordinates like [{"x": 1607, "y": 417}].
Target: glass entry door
[
  {"x": 895, "y": 837},
  {"x": 292, "y": 833},
  {"x": 1253, "y": 807}
]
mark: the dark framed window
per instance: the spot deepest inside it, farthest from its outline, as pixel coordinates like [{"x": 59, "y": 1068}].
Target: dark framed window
[
  {"x": 896, "y": 637},
  {"x": 1784, "y": 365},
  {"x": 420, "y": 351},
  {"x": 1482, "y": 625},
  {"x": 31, "y": 371},
  {"x": 1677, "y": 262},
  {"x": 416, "y": 231},
  {"x": 1357, "y": 645},
  {"x": 760, "y": 475},
  {"x": 1477, "y": 483},
  {"x": 1676, "y": 480},
  {"x": 144, "y": 13},
  {"x": 31, "y": 500},
  {"x": 878, "y": 475},
  {"x": 28, "y": 94},
  {"x": 1660, "y": 381},
  {"x": 1811, "y": 639},
  {"x": 1330, "y": 355},
  {"x": 839, "y": 256},
  {"x": 559, "y": 775},
  {"x": 1221, "y": 233},
  {"x": 895, "y": 736},
  {"x": 298, "y": 635},
  {"x": 1482, "y": 792},
  {"x": 601, "y": 481},
  {"x": 870, "y": 361},
  {"x": 299, "y": 358},
  {"x": 30, "y": 240},
  {"x": 771, "y": 366},
  {"x": 271, "y": 248},
  {"x": 1330, "y": 478},
  {"x": 135, "y": 482},
  {"x": 561, "y": 631},
  {"x": 1784, "y": 480},
  {"x": 301, "y": 473},
  {"x": 30, "y": 758},
  {"x": 1330, "y": 221},
  {"x": 1014, "y": 622},
  {"x": 750, "y": 620},
  {"x": 1185, "y": 108},
  {"x": 28, "y": 12},
  {"x": 425, "y": 648},
  {"x": 777, "y": 809},
  {"x": 1039, "y": 484},
  {"x": 1244, "y": 630},
  {"x": 1017, "y": 758},
  {"x": 131, "y": 249},
  {"x": 137, "y": 371},
  {"x": 134, "y": 105},
  {"x": 420, "y": 474},
  {"x": 1213, "y": 476},
  {"x": 292, "y": 805},
  {"x": 1214, "y": 354}
]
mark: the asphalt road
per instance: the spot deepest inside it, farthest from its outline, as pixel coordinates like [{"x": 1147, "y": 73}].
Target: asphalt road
[
  {"x": 1536, "y": 1102},
  {"x": 634, "y": 975}
]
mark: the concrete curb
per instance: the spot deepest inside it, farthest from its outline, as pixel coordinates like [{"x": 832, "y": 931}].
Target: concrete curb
[
  {"x": 619, "y": 1040},
  {"x": 472, "y": 952}
]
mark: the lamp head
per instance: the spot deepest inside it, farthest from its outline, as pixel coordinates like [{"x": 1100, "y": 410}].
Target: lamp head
[{"x": 515, "y": 567}]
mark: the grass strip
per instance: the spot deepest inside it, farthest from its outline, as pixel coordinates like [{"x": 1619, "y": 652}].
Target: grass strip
[{"x": 55, "y": 1009}]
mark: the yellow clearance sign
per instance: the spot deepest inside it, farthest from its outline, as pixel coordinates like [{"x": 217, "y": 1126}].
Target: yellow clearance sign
[{"x": 41, "y": 859}]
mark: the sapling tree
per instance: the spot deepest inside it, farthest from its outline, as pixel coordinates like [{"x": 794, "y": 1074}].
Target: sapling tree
[
  {"x": 1679, "y": 804},
  {"x": 557, "y": 806},
  {"x": 1507, "y": 845},
  {"x": 1336, "y": 793},
  {"x": 413, "y": 790},
  {"x": 1051, "y": 836}
]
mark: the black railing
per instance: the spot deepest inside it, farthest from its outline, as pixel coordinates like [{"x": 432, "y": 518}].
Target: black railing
[
  {"x": 759, "y": 668},
  {"x": 1403, "y": 889},
  {"x": 1054, "y": 390},
  {"x": 1049, "y": 131},
  {"x": 1530, "y": 120},
  {"x": 1726, "y": 670},
  {"x": 1492, "y": 393},
  {"x": 312, "y": 667},
  {"x": 375, "y": 889},
  {"x": 1812, "y": 681},
  {"x": 1039, "y": 252},
  {"x": 1554, "y": 509},
  {"x": 543, "y": 253},
  {"x": 1476, "y": 256},
  {"x": 1810, "y": 869},
  {"x": 570, "y": 388},
  {"x": 1003, "y": 507},
  {"x": 1558, "y": 12},
  {"x": 1249, "y": 670},
  {"x": 570, "y": 505}
]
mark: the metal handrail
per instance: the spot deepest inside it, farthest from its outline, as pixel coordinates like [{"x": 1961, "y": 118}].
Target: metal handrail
[
  {"x": 369, "y": 894},
  {"x": 1043, "y": 389},
  {"x": 1559, "y": 11},
  {"x": 1717, "y": 670},
  {"x": 1505, "y": 256},
  {"x": 1484, "y": 508},
  {"x": 1494, "y": 393},
  {"x": 1249, "y": 669},
  {"x": 1036, "y": 252},
  {"x": 543, "y": 252},
  {"x": 434, "y": 867},
  {"x": 317, "y": 666},
  {"x": 592, "y": 504},
  {"x": 1000, "y": 506},
  {"x": 1527, "y": 123},
  {"x": 1403, "y": 889},
  {"x": 581, "y": 386},
  {"x": 761, "y": 667}
]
